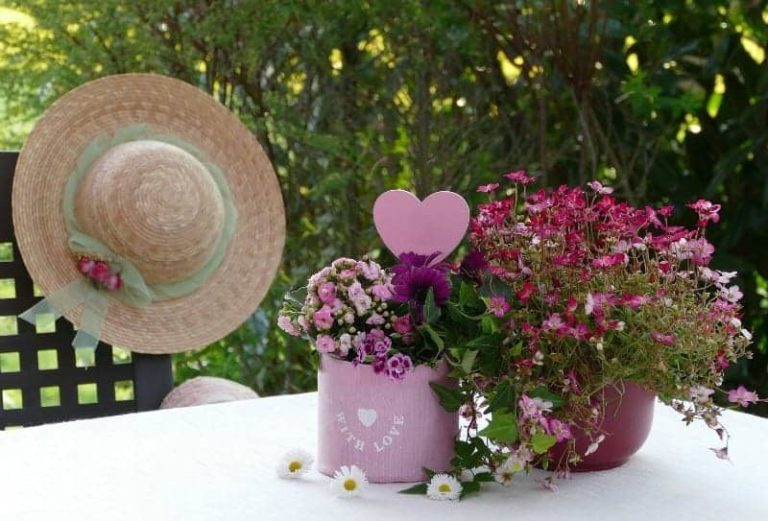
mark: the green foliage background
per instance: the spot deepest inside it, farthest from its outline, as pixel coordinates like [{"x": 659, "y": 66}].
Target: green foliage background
[{"x": 665, "y": 99}]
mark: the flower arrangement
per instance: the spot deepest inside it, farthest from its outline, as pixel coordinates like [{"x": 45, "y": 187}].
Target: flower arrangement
[
  {"x": 360, "y": 312},
  {"x": 569, "y": 292},
  {"x": 565, "y": 294}
]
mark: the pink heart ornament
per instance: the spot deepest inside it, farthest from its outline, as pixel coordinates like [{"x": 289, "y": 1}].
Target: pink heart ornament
[{"x": 436, "y": 224}]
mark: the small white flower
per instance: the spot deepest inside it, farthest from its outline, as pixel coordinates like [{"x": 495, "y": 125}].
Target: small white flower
[
  {"x": 594, "y": 445},
  {"x": 746, "y": 334},
  {"x": 349, "y": 481},
  {"x": 700, "y": 394},
  {"x": 294, "y": 464},
  {"x": 735, "y": 322},
  {"x": 599, "y": 345},
  {"x": 466, "y": 475},
  {"x": 507, "y": 470},
  {"x": 444, "y": 486},
  {"x": 544, "y": 405},
  {"x": 620, "y": 326}
]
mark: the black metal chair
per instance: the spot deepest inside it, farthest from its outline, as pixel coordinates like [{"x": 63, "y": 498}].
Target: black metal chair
[{"x": 42, "y": 378}]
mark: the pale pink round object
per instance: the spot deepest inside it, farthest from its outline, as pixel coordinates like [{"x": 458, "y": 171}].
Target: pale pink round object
[{"x": 204, "y": 390}]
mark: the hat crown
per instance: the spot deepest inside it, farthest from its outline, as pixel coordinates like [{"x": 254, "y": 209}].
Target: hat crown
[{"x": 154, "y": 204}]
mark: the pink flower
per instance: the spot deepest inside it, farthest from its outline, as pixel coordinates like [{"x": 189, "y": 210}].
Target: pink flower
[
  {"x": 742, "y": 396},
  {"x": 370, "y": 269},
  {"x": 559, "y": 430},
  {"x": 285, "y": 323},
  {"x": 114, "y": 282},
  {"x": 663, "y": 339},
  {"x": 706, "y": 210},
  {"x": 325, "y": 344},
  {"x": 85, "y": 265},
  {"x": 100, "y": 272},
  {"x": 323, "y": 319},
  {"x": 527, "y": 291},
  {"x": 528, "y": 407},
  {"x": 359, "y": 298},
  {"x": 327, "y": 293},
  {"x": 487, "y": 188},
  {"x": 634, "y": 301},
  {"x": 609, "y": 261},
  {"x": 381, "y": 291},
  {"x": 520, "y": 177},
  {"x": 375, "y": 320},
  {"x": 499, "y": 306},
  {"x": 398, "y": 366},
  {"x": 597, "y": 301},
  {"x": 402, "y": 325},
  {"x": 732, "y": 294},
  {"x": 553, "y": 323},
  {"x": 599, "y": 188}
]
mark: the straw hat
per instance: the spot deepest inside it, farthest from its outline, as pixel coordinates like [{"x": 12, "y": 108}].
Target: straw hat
[{"x": 166, "y": 187}]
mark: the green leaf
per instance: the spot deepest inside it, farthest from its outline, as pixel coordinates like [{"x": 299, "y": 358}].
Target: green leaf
[
  {"x": 504, "y": 397},
  {"x": 502, "y": 427},
  {"x": 470, "y": 487},
  {"x": 450, "y": 399},
  {"x": 517, "y": 349},
  {"x": 418, "y": 489},
  {"x": 468, "y": 297},
  {"x": 546, "y": 394},
  {"x": 468, "y": 361},
  {"x": 433, "y": 335},
  {"x": 488, "y": 325},
  {"x": 541, "y": 443},
  {"x": 484, "y": 477},
  {"x": 431, "y": 310}
]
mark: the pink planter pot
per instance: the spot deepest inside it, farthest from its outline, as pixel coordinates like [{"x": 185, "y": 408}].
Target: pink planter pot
[
  {"x": 390, "y": 429},
  {"x": 626, "y": 423}
]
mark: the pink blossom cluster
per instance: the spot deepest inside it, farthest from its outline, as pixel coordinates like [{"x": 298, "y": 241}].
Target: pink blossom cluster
[
  {"x": 535, "y": 417},
  {"x": 100, "y": 273},
  {"x": 582, "y": 264},
  {"x": 347, "y": 313}
]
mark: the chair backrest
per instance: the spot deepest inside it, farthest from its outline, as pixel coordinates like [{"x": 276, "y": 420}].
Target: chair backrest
[{"x": 42, "y": 378}]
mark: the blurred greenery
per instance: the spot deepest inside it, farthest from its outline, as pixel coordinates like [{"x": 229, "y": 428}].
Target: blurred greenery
[{"x": 667, "y": 100}]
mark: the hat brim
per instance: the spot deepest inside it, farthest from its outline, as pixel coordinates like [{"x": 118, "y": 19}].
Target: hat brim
[{"x": 167, "y": 106}]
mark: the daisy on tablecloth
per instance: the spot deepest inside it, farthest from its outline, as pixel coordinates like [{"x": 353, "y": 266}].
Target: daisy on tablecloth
[
  {"x": 294, "y": 464},
  {"x": 349, "y": 481}
]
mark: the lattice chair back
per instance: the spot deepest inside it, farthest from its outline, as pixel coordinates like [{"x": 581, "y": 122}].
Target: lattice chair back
[{"x": 42, "y": 378}]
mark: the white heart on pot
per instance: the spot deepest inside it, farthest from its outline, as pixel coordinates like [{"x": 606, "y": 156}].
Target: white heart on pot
[{"x": 367, "y": 416}]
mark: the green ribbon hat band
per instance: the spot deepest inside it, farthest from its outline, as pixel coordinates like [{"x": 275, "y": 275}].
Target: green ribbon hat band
[{"x": 134, "y": 292}]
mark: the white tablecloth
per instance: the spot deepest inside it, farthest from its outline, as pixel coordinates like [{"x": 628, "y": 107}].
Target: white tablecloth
[{"x": 217, "y": 463}]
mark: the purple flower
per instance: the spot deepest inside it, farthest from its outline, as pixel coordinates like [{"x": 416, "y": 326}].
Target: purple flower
[
  {"x": 323, "y": 318},
  {"x": 663, "y": 339},
  {"x": 413, "y": 279},
  {"x": 398, "y": 366},
  {"x": 473, "y": 265},
  {"x": 373, "y": 343}
]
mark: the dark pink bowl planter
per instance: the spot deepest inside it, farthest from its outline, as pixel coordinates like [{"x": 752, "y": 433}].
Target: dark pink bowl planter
[{"x": 626, "y": 423}]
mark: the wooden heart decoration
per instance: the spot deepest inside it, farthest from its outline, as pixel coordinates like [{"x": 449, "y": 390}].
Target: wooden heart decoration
[{"x": 435, "y": 225}]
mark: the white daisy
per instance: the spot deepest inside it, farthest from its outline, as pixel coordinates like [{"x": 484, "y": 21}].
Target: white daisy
[
  {"x": 444, "y": 486},
  {"x": 294, "y": 464},
  {"x": 349, "y": 481}
]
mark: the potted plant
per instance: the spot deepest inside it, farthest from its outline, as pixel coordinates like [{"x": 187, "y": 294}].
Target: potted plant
[
  {"x": 373, "y": 328},
  {"x": 584, "y": 309}
]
